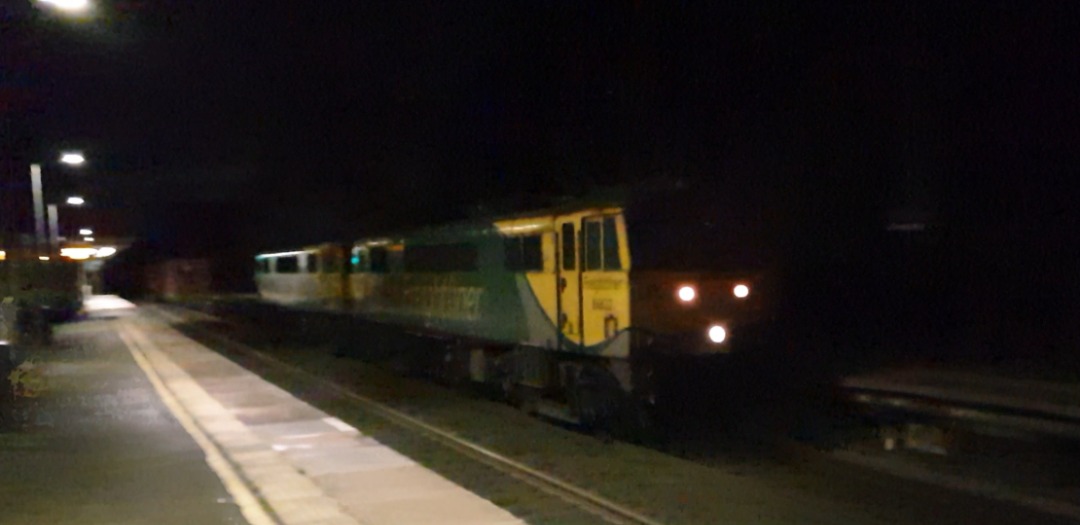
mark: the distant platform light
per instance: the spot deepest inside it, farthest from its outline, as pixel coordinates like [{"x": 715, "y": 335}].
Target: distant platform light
[
  {"x": 78, "y": 254},
  {"x": 43, "y": 257},
  {"x": 86, "y": 231},
  {"x": 73, "y": 158},
  {"x": 741, "y": 291},
  {"x": 88, "y": 239},
  {"x": 76, "y": 201}
]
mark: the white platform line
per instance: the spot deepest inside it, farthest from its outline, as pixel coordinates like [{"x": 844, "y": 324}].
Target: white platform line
[
  {"x": 340, "y": 425},
  {"x": 249, "y": 505}
]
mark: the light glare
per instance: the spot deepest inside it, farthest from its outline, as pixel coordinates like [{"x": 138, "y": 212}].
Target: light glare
[
  {"x": 687, "y": 293},
  {"x": 72, "y": 158},
  {"x": 72, "y": 6},
  {"x": 43, "y": 257},
  {"x": 88, "y": 239},
  {"x": 86, "y": 231},
  {"x": 76, "y": 201},
  {"x": 106, "y": 251},
  {"x": 741, "y": 291},
  {"x": 77, "y": 254},
  {"x": 717, "y": 334}
]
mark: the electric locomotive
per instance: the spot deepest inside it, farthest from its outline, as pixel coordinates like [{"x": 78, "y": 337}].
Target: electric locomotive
[{"x": 566, "y": 310}]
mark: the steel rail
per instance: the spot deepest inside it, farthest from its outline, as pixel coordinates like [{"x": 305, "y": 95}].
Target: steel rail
[{"x": 583, "y": 499}]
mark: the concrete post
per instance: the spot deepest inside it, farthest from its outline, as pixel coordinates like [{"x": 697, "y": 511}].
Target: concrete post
[{"x": 39, "y": 205}]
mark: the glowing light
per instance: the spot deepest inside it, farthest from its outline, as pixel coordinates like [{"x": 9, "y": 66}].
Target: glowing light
[
  {"x": 521, "y": 228},
  {"x": 86, "y": 231},
  {"x": 717, "y": 334},
  {"x": 71, "y": 6},
  {"x": 76, "y": 201},
  {"x": 3, "y": 255},
  {"x": 43, "y": 257},
  {"x": 78, "y": 254},
  {"x": 105, "y": 251},
  {"x": 88, "y": 239},
  {"x": 741, "y": 291},
  {"x": 279, "y": 254},
  {"x": 73, "y": 158},
  {"x": 687, "y": 293}
]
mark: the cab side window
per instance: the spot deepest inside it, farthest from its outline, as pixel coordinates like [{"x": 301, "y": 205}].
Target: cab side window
[
  {"x": 523, "y": 253},
  {"x": 611, "y": 245},
  {"x": 287, "y": 264},
  {"x": 602, "y": 244},
  {"x": 569, "y": 254},
  {"x": 593, "y": 260}
]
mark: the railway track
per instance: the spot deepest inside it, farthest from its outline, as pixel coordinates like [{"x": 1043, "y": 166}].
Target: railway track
[
  {"x": 903, "y": 412},
  {"x": 585, "y": 500}
]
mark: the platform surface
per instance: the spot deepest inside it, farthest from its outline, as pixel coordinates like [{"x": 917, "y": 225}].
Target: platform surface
[{"x": 135, "y": 423}]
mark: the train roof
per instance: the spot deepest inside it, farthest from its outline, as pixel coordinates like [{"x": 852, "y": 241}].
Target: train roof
[{"x": 694, "y": 208}]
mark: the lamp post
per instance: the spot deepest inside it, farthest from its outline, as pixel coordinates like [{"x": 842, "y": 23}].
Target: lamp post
[
  {"x": 54, "y": 222},
  {"x": 71, "y": 158}
]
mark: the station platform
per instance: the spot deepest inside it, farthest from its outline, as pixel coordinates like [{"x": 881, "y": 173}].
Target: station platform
[
  {"x": 1055, "y": 400},
  {"x": 132, "y": 422}
]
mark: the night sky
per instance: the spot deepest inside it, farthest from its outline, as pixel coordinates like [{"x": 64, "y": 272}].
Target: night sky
[{"x": 260, "y": 125}]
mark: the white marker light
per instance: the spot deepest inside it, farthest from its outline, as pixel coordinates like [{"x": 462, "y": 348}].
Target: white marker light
[
  {"x": 717, "y": 334},
  {"x": 43, "y": 257},
  {"x": 687, "y": 293},
  {"x": 86, "y": 231},
  {"x": 76, "y": 201},
  {"x": 741, "y": 291}
]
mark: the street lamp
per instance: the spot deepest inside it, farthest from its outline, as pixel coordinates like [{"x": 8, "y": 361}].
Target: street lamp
[
  {"x": 72, "y": 158},
  {"x": 68, "y": 6}
]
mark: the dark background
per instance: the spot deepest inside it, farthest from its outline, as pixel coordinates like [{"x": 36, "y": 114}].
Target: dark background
[{"x": 223, "y": 128}]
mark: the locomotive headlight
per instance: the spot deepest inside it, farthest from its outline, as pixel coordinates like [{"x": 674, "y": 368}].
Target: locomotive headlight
[
  {"x": 717, "y": 334},
  {"x": 687, "y": 293},
  {"x": 741, "y": 291}
]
